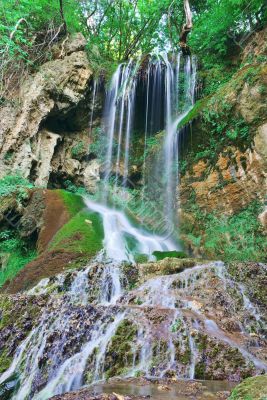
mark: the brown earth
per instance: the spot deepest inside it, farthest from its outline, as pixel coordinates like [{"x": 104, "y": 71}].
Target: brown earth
[
  {"x": 55, "y": 216},
  {"x": 46, "y": 265}
]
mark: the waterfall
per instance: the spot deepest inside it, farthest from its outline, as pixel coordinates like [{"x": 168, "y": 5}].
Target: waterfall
[
  {"x": 118, "y": 228},
  {"x": 85, "y": 313},
  {"x": 174, "y": 114},
  {"x": 169, "y": 96},
  {"x": 95, "y": 88},
  {"x": 118, "y": 120}
]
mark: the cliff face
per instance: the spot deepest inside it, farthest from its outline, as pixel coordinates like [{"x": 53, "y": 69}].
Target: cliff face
[
  {"x": 226, "y": 164},
  {"x": 41, "y": 129}
]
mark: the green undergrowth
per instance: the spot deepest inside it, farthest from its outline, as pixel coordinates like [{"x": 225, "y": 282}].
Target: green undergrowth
[
  {"x": 15, "y": 253},
  {"x": 160, "y": 255},
  {"x": 217, "y": 121},
  {"x": 82, "y": 234},
  {"x": 254, "y": 388},
  {"x": 14, "y": 184},
  {"x": 238, "y": 237}
]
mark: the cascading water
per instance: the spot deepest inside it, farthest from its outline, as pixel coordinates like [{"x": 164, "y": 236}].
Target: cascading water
[
  {"x": 73, "y": 342},
  {"x": 165, "y": 105}
]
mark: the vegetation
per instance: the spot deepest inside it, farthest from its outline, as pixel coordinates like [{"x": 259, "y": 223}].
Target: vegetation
[
  {"x": 160, "y": 255},
  {"x": 118, "y": 30},
  {"x": 237, "y": 237},
  {"x": 11, "y": 184},
  {"x": 15, "y": 253},
  {"x": 254, "y": 388},
  {"x": 82, "y": 234}
]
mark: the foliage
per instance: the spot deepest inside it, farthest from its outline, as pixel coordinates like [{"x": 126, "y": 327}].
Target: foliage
[
  {"x": 15, "y": 253},
  {"x": 237, "y": 237},
  {"x": 222, "y": 27},
  {"x": 14, "y": 184},
  {"x": 27, "y": 31},
  {"x": 78, "y": 150}
]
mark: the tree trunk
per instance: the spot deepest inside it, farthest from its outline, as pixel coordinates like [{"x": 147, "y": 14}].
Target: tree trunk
[
  {"x": 186, "y": 29},
  {"x": 62, "y": 15}
]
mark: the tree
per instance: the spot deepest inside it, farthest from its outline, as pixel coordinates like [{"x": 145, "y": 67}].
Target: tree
[{"x": 186, "y": 29}]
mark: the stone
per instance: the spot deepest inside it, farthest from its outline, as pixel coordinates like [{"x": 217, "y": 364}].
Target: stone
[
  {"x": 53, "y": 92},
  {"x": 92, "y": 176}
]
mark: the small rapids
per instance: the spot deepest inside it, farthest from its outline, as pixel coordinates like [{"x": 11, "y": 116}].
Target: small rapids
[
  {"x": 117, "y": 229},
  {"x": 105, "y": 325}
]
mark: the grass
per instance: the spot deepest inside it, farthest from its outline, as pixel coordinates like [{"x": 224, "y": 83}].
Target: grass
[{"x": 16, "y": 262}]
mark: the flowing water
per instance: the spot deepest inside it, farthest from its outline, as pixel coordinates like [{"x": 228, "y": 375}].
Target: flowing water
[
  {"x": 117, "y": 229},
  {"x": 73, "y": 342}
]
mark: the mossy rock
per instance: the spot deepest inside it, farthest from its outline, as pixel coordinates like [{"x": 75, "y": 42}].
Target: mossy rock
[
  {"x": 160, "y": 255},
  {"x": 254, "y": 388},
  {"x": 119, "y": 353}
]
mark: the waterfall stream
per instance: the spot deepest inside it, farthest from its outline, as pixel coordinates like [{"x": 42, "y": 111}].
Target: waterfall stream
[{"x": 72, "y": 343}]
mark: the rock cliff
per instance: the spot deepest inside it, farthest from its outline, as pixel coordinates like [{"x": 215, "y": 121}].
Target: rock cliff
[{"x": 45, "y": 132}]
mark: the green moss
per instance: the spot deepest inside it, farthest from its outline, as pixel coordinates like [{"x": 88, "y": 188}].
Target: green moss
[
  {"x": 12, "y": 312},
  {"x": 160, "y": 255},
  {"x": 254, "y": 388},
  {"x": 194, "y": 112},
  {"x": 16, "y": 261},
  {"x": 200, "y": 369},
  {"x": 83, "y": 234},
  {"x": 237, "y": 237},
  {"x": 119, "y": 353},
  {"x": 73, "y": 202},
  {"x": 5, "y": 361}
]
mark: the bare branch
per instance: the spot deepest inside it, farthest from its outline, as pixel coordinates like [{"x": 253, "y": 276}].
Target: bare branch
[{"x": 20, "y": 21}]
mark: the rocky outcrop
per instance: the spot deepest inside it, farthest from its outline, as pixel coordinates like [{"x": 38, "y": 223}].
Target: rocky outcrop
[
  {"x": 233, "y": 182},
  {"x": 52, "y": 114}
]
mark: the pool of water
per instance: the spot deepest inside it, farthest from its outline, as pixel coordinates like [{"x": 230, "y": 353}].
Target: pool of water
[{"x": 180, "y": 390}]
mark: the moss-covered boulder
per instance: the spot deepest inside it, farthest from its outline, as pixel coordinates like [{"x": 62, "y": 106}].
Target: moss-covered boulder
[
  {"x": 68, "y": 235},
  {"x": 254, "y": 388}
]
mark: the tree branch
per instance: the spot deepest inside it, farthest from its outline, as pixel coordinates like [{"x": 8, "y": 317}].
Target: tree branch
[
  {"x": 187, "y": 27},
  {"x": 20, "y": 21}
]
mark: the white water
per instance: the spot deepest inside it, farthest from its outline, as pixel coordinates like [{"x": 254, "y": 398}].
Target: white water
[
  {"x": 117, "y": 228},
  {"x": 174, "y": 114},
  {"x": 95, "y": 87}
]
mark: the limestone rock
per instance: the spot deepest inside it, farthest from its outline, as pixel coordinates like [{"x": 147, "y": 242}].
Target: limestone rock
[
  {"x": 235, "y": 181},
  {"x": 92, "y": 176},
  {"x": 53, "y": 92}
]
